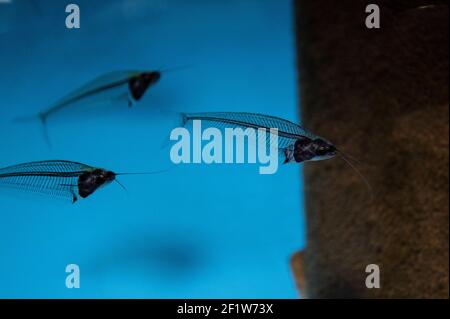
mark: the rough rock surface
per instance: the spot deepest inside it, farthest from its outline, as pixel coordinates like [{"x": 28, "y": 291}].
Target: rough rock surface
[{"x": 382, "y": 96}]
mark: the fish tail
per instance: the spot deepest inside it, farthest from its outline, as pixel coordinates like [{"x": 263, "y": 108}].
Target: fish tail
[
  {"x": 183, "y": 118},
  {"x": 43, "y": 118}
]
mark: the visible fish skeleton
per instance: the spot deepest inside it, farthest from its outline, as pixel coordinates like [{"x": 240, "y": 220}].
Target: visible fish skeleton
[
  {"x": 295, "y": 142},
  {"x": 58, "y": 178}
]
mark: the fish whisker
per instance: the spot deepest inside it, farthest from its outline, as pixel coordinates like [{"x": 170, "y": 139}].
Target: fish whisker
[
  {"x": 358, "y": 172},
  {"x": 121, "y": 185},
  {"x": 143, "y": 173},
  {"x": 349, "y": 157}
]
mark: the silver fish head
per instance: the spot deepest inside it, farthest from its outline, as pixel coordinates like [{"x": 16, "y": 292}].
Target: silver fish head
[{"x": 307, "y": 149}]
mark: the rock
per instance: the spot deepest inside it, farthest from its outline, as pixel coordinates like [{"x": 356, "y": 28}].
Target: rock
[{"x": 380, "y": 95}]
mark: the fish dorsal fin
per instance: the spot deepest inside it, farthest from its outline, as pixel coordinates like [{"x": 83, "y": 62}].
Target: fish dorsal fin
[{"x": 55, "y": 166}]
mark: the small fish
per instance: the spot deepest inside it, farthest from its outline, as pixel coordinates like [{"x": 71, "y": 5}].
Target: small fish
[
  {"x": 296, "y": 143},
  {"x": 121, "y": 85},
  {"x": 57, "y": 178}
]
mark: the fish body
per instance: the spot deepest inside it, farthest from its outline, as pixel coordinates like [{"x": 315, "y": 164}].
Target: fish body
[
  {"x": 133, "y": 82},
  {"x": 295, "y": 142},
  {"x": 64, "y": 179},
  {"x": 129, "y": 86}
]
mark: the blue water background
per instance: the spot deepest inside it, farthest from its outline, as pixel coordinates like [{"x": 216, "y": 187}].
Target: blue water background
[{"x": 195, "y": 231}]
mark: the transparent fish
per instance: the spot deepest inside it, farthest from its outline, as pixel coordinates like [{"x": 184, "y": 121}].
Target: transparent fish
[
  {"x": 63, "y": 179},
  {"x": 127, "y": 86},
  {"x": 295, "y": 142}
]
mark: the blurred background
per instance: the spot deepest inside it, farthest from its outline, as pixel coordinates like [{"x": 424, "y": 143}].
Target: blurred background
[{"x": 195, "y": 231}]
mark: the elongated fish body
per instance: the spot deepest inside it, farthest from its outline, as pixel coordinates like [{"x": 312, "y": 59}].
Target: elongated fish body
[
  {"x": 295, "y": 142},
  {"x": 124, "y": 86},
  {"x": 62, "y": 179},
  {"x": 132, "y": 84}
]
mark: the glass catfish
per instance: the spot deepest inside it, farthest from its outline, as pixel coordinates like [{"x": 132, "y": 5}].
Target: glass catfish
[
  {"x": 126, "y": 86},
  {"x": 63, "y": 179},
  {"x": 295, "y": 143}
]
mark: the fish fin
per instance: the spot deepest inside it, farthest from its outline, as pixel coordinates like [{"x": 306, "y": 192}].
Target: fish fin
[
  {"x": 74, "y": 196},
  {"x": 124, "y": 97},
  {"x": 287, "y": 153},
  {"x": 130, "y": 100},
  {"x": 43, "y": 118},
  {"x": 184, "y": 118}
]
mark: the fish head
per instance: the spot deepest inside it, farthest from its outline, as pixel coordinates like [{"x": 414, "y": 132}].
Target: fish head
[
  {"x": 139, "y": 84},
  {"x": 308, "y": 149},
  {"x": 107, "y": 176},
  {"x": 152, "y": 77},
  {"x": 90, "y": 181},
  {"x": 323, "y": 149}
]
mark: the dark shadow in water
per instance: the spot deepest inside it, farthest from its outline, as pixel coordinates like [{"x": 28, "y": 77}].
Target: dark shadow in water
[{"x": 153, "y": 256}]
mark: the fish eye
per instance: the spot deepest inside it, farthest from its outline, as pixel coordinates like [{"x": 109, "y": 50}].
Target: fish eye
[{"x": 323, "y": 148}]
